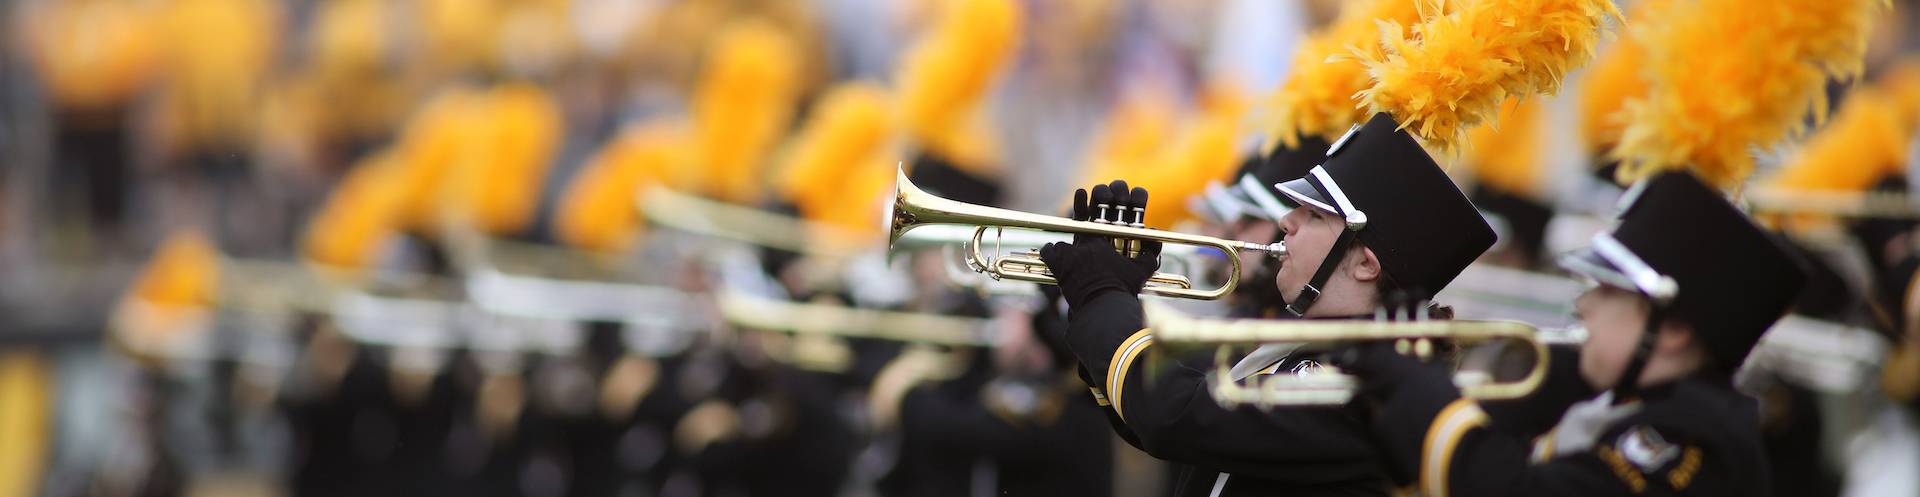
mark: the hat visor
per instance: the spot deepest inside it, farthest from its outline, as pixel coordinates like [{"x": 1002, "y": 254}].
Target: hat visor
[
  {"x": 1220, "y": 204},
  {"x": 1589, "y": 263},
  {"x": 1257, "y": 200},
  {"x": 1301, "y": 192}
]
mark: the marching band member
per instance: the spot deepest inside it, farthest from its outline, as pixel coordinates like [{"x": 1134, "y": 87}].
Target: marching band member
[
  {"x": 1687, "y": 283},
  {"x": 1378, "y": 219}
]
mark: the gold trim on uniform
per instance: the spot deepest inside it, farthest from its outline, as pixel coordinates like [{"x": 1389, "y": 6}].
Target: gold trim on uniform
[
  {"x": 1443, "y": 437},
  {"x": 1099, "y": 397},
  {"x": 1123, "y": 361},
  {"x": 1543, "y": 446},
  {"x": 1623, "y": 469},
  {"x": 1682, "y": 475}
]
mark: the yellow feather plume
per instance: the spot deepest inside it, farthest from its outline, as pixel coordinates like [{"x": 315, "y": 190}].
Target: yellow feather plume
[
  {"x": 855, "y": 212},
  {"x": 1901, "y": 81},
  {"x": 93, "y": 54},
  {"x": 185, "y": 272},
  {"x": 952, "y": 67},
  {"x": 1317, "y": 98},
  {"x": 849, "y": 126},
  {"x": 1506, "y": 156},
  {"x": 1614, "y": 79},
  {"x": 1203, "y": 153},
  {"x": 1454, "y": 70},
  {"x": 597, "y": 211},
  {"x": 1865, "y": 142},
  {"x": 1730, "y": 75},
  {"x": 1135, "y": 133},
  {"x": 742, "y": 106},
  {"x": 497, "y": 183},
  {"x": 360, "y": 216},
  {"x": 431, "y": 145}
]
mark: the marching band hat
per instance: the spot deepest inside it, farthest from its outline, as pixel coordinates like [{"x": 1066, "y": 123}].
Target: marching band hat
[
  {"x": 1681, "y": 244},
  {"x": 1286, "y": 163},
  {"x": 1398, "y": 202}
]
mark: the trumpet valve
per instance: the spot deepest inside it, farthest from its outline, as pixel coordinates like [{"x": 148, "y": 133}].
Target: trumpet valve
[{"x": 1420, "y": 348}]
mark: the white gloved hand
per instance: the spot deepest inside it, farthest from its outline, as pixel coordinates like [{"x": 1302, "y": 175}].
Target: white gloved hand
[{"x": 1585, "y": 421}]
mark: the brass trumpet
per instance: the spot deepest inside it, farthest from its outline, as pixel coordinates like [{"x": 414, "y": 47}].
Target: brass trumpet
[
  {"x": 961, "y": 272},
  {"x": 1473, "y": 373},
  {"x": 721, "y": 220},
  {"x": 913, "y": 208},
  {"x": 1871, "y": 204},
  {"x": 766, "y": 314}
]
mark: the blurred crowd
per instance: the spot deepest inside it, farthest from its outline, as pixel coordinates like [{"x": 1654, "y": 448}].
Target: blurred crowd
[{"x": 587, "y": 247}]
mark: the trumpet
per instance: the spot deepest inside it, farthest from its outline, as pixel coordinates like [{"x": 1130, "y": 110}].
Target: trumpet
[
  {"x": 1871, "y": 204},
  {"x": 914, "y": 208},
  {"x": 766, "y": 314},
  {"x": 721, "y": 220},
  {"x": 1474, "y": 371},
  {"x": 961, "y": 272}
]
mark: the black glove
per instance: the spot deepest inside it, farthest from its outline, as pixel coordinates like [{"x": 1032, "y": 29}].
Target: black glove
[
  {"x": 1405, "y": 394},
  {"x": 1384, "y": 372},
  {"x": 1091, "y": 264}
]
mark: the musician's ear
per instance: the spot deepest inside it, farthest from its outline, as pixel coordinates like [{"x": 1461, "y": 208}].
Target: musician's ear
[{"x": 1363, "y": 265}]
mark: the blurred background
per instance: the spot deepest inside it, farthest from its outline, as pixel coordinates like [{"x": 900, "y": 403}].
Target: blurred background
[{"x": 567, "y": 247}]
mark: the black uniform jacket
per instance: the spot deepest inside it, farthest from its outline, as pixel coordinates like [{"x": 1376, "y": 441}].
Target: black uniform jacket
[
  {"x": 1163, "y": 407},
  {"x": 1696, "y": 436}
]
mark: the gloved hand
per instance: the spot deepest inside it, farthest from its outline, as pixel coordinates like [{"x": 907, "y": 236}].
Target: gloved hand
[
  {"x": 1384, "y": 372},
  {"x": 1405, "y": 394},
  {"x": 1091, "y": 264}
]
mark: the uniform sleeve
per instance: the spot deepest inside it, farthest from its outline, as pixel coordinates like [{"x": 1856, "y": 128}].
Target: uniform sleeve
[
  {"x": 1461, "y": 455},
  {"x": 1534, "y": 415},
  {"x": 1171, "y": 415}
]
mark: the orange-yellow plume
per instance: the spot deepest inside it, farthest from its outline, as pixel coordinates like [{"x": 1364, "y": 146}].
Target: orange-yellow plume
[
  {"x": 1136, "y": 132},
  {"x": 1727, "y": 76},
  {"x": 849, "y": 125},
  {"x": 950, "y": 69},
  {"x": 1317, "y": 98},
  {"x": 1451, "y": 72},
  {"x": 1865, "y": 142},
  {"x": 741, "y": 107},
  {"x": 497, "y": 183},
  {"x": 431, "y": 144},
  {"x": 598, "y": 212},
  {"x": 1203, "y": 152},
  {"x": 1614, "y": 79},
  {"x": 360, "y": 216},
  {"x": 1507, "y": 156},
  {"x": 185, "y": 272}
]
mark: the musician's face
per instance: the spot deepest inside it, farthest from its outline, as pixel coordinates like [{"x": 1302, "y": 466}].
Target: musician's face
[
  {"x": 1309, "y": 234},
  {"x": 1613, "y": 318}
]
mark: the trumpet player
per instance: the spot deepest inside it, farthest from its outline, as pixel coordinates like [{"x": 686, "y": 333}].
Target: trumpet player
[
  {"x": 1377, "y": 217},
  {"x": 1246, "y": 208},
  {"x": 1685, "y": 285}
]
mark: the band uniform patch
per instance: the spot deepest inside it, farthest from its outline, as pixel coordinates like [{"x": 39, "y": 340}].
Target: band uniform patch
[{"x": 1647, "y": 449}]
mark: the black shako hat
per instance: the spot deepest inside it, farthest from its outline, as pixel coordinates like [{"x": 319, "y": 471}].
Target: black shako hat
[
  {"x": 1682, "y": 245},
  {"x": 1399, "y": 203}
]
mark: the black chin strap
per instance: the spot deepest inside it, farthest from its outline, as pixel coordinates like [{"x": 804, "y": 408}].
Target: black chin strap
[
  {"x": 1311, "y": 292},
  {"x": 1629, "y": 383}
]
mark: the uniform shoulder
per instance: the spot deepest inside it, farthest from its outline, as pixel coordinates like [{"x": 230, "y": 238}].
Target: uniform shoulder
[{"x": 1691, "y": 434}]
